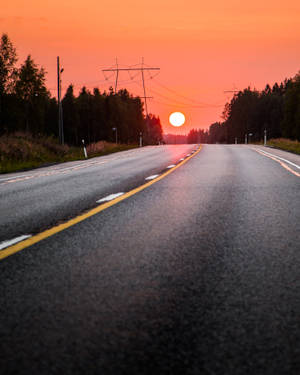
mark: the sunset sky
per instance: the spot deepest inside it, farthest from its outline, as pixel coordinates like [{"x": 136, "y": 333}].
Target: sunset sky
[{"x": 202, "y": 48}]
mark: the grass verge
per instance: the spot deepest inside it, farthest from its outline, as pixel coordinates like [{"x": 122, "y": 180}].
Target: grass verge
[
  {"x": 21, "y": 151},
  {"x": 285, "y": 144}
]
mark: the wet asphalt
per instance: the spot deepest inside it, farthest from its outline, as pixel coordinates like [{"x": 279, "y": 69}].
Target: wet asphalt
[
  {"x": 39, "y": 199},
  {"x": 197, "y": 274}
]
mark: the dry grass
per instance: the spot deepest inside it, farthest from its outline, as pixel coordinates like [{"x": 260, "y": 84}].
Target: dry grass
[
  {"x": 104, "y": 148},
  {"x": 20, "y": 151},
  {"x": 285, "y": 144}
]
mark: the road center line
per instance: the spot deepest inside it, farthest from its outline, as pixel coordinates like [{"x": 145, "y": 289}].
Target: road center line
[{"x": 61, "y": 227}]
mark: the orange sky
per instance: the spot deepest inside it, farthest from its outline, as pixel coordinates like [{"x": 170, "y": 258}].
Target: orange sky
[{"x": 202, "y": 48}]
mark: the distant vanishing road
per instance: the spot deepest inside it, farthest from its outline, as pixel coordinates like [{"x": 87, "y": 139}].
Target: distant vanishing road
[{"x": 159, "y": 260}]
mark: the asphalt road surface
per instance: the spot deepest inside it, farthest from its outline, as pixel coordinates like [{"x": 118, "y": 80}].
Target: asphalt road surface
[{"x": 196, "y": 274}]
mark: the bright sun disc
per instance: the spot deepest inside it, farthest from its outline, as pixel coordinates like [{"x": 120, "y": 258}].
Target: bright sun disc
[{"x": 177, "y": 119}]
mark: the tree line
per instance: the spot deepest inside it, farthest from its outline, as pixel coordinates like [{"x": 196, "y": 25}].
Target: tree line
[
  {"x": 26, "y": 105},
  {"x": 250, "y": 113}
]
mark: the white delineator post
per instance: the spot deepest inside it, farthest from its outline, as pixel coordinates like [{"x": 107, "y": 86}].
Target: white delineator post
[
  {"x": 265, "y": 137},
  {"x": 141, "y": 140},
  {"x": 84, "y": 149},
  {"x": 116, "y": 130}
]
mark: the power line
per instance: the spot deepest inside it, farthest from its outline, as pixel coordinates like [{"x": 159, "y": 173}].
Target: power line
[
  {"x": 184, "y": 104},
  {"x": 180, "y": 95},
  {"x": 185, "y": 97},
  {"x": 234, "y": 90},
  {"x": 140, "y": 69},
  {"x": 173, "y": 102}
]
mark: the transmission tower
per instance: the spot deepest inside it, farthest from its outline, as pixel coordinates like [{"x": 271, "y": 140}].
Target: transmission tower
[
  {"x": 142, "y": 69},
  {"x": 235, "y": 90},
  {"x": 60, "y": 110}
]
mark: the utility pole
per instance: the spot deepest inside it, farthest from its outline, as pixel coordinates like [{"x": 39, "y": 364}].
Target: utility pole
[
  {"x": 117, "y": 76},
  {"x": 143, "y": 79},
  {"x": 60, "y": 112}
]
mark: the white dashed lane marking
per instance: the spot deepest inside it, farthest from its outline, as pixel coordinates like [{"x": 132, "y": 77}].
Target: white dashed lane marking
[
  {"x": 152, "y": 177},
  {"x": 5, "y": 244},
  {"x": 109, "y": 197}
]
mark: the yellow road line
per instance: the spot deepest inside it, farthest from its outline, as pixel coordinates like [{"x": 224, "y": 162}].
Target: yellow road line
[{"x": 59, "y": 228}]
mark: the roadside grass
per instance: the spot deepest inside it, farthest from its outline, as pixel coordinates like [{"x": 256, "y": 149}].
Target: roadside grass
[
  {"x": 21, "y": 151},
  {"x": 285, "y": 144}
]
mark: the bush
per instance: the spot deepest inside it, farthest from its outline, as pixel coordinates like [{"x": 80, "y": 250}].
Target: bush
[{"x": 21, "y": 151}]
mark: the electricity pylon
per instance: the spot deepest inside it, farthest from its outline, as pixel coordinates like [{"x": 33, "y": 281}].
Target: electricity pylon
[
  {"x": 141, "y": 69},
  {"x": 60, "y": 110}
]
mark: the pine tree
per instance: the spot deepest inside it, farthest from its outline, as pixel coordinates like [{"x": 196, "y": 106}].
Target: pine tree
[
  {"x": 8, "y": 58},
  {"x": 31, "y": 90}
]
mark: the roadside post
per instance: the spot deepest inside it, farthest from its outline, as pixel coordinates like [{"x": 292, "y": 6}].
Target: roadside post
[
  {"x": 265, "y": 137},
  {"x": 245, "y": 139},
  {"x": 249, "y": 138},
  {"x": 116, "y": 130},
  {"x": 84, "y": 149},
  {"x": 141, "y": 140}
]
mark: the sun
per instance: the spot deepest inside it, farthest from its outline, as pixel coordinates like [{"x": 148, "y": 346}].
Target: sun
[{"x": 177, "y": 119}]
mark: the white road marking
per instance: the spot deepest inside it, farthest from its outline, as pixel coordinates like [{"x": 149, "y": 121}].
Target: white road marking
[
  {"x": 109, "y": 197},
  {"x": 51, "y": 172},
  {"x": 152, "y": 177},
  {"x": 5, "y": 244},
  {"x": 188, "y": 154},
  {"x": 11, "y": 178},
  {"x": 181, "y": 159},
  {"x": 171, "y": 166},
  {"x": 278, "y": 157}
]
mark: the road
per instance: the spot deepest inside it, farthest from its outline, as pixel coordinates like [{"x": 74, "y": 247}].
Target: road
[
  {"x": 36, "y": 200},
  {"x": 197, "y": 273}
]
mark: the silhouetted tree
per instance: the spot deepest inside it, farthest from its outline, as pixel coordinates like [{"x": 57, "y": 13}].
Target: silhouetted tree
[
  {"x": 33, "y": 96},
  {"x": 217, "y": 133},
  {"x": 154, "y": 130},
  {"x": 70, "y": 117},
  {"x": 291, "y": 111},
  {"x": 83, "y": 102},
  {"x": 197, "y": 136},
  {"x": 8, "y": 59},
  {"x": 98, "y": 122}
]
